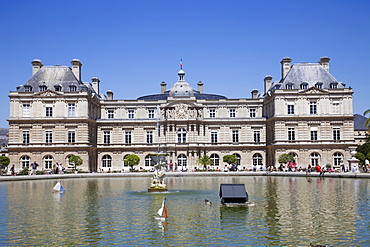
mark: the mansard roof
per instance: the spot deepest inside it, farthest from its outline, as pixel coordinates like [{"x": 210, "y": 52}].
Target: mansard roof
[
  {"x": 309, "y": 74},
  {"x": 52, "y": 77}
]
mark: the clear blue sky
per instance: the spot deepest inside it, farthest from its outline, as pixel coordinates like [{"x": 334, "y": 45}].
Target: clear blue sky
[{"x": 132, "y": 46}]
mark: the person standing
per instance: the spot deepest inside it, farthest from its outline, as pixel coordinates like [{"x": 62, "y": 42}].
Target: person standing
[
  {"x": 34, "y": 166},
  {"x": 12, "y": 170}
]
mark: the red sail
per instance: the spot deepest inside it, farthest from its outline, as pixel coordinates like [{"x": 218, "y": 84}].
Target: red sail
[{"x": 165, "y": 212}]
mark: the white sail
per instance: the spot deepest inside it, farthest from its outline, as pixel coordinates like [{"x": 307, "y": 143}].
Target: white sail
[
  {"x": 58, "y": 187},
  {"x": 160, "y": 211}
]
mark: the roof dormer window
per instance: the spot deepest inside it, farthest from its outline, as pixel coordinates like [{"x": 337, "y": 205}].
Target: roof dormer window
[
  {"x": 289, "y": 86},
  {"x": 72, "y": 88},
  {"x": 318, "y": 85},
  {"x": 58, "y": 88},
  {"x": 27, "y": 88},
  {"x": 42, "y": 88},
  {"x": 333, "y": 85},
  {"x": 304, "y": 85}
]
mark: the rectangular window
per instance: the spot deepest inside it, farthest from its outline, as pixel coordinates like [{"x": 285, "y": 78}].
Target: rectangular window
[
  {"x": 212, "y": 113},
  {"x": 71, "y": 136},
  {"x": 131, "y": 114},
  {"x": 149, "y": 137},
  {"x": 232, "y": 113},
  {"x": 313, "y": 135},
  {"x": 106, "y": 137},
  {"x": 214, "y": 137},
  {"x": 49, "y": 111},
  {"x": 26, "y": 136},
  {"x": 110, "y": 114},
  {"x": 235, "y": 136},
  {"x": 26, "y": 110},
  {"x": 313, "y": 107},
  {"x": 71, "y": 109},
  {"x": 252, "y": 112},
  {"x": 150, "y": 113},
  {"x": 291, "y": 134},
  {"x": 290, "y": 109},
  {"x": 257, "y": 137},
  {"x": 48, "y": 136},
  {"x": 336, "y": 133},
  {"x": 128, "y": 137}
]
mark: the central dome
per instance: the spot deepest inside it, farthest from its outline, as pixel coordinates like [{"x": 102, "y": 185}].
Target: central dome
[{"x": 181, "y": 88}]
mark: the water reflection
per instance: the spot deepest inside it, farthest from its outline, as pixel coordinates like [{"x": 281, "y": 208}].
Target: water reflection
[{"x": 288, "y": 211}]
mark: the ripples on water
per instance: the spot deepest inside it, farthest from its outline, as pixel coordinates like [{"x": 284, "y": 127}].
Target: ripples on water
[{"x": 118, "y": 211}]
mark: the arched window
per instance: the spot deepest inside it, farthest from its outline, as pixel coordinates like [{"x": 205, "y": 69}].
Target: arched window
[
  {"x": 181, "y": 136},
  {"x": 337, "y": 159},
  {"x": 70, "y": 166},
  {"x": 315, "y": 158},
  {"x": 295, "y": 157},
  {"x": 124, "y": 160},
  {"x": 182, "y": 160},
  {"x": 216, "y": 159},
  {"x": 238, "y": 158},
  {"x": 148, "y": 160},
  {"x": 257, "y": 159},
  {"x": 106, "y": 161},
  {"x": 48, "y": 162},
  {"x": 25, "y": 161}
]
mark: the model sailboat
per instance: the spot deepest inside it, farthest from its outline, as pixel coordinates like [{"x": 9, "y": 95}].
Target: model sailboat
[
  {"x": 59, "y": 187},
  {"x": 162, "y": 212}
]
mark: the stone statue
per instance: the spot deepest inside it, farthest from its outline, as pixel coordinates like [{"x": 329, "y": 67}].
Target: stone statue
[{"x": 158, "y": 177}]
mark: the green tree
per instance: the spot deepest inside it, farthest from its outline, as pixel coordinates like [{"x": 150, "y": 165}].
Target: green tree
[
  {"x": 205, "y": 161},
  {"x": 4, "y": 162},
  {"x": 230, "y": 159},
  {"x": 132, "y": 160},
  {"x": 75, "y": 161},
  {"x": 285, "y": 158},
  {"x": 361, "y": 157}
]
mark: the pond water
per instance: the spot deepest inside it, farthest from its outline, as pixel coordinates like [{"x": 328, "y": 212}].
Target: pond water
[{"x": 288, "y": 211}]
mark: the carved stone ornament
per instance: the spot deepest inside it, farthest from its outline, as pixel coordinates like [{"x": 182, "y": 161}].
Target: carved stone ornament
[{"x": 181, "y": 111}]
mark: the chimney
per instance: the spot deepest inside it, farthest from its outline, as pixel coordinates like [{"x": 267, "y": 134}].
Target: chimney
[
  {"x": 254, "y": 94},
  {"x": 76, "y": 68},
  {"x": 268, "y": 82},
  {"x": 95, "y": 84},
  {"x": 324, "y": 62},
  {"x": 200, "y": 86},
  {"x": 285, "y": 66},
  {"x": 163, "y": 87},
  {"x": 110, "y": 95},
  {"x": 36, "y": 66}
]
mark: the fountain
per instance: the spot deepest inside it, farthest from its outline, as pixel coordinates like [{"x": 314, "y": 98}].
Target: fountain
[{"x": 157, "y": 184}]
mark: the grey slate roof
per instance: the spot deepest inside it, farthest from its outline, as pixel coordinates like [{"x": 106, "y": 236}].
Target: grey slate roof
[
  {"x": 359, "y": 122},
  {"x": 52, "y": 76},
  {"x": 165, "y": 95},
  {"x": 309, "y": 74}
]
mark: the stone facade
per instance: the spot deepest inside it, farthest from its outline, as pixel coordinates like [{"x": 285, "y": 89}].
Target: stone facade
[{"x": 307, "y": 113}]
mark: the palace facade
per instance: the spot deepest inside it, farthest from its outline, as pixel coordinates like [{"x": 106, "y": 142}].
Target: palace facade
[{"x": 307, "y": 113}]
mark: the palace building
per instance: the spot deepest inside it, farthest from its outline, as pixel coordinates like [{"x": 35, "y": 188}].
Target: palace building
[{"x": 307, "y": 113}]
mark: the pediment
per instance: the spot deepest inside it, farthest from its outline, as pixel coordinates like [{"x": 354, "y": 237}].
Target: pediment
[
  {"x": 47, "y": 93},
  {"x": 314, "y": 90}
]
